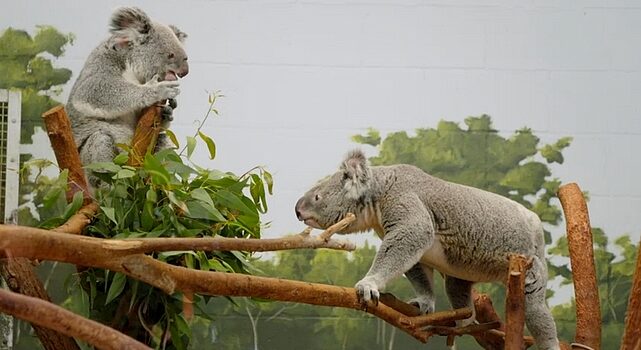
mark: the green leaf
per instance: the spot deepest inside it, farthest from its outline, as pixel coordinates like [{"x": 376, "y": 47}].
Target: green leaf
[
  {"x": 122, "y": 158},
  {"x": 267, "y": 176},
  {"x": 211, "y": 146},
  {"x": 202, "y": 210},
  {"x": 172, "y": 137},
  {"x": 75, "y": 204},
  {"x": 201, "y": 195},
  {"x": 124, "y": 174},
  {"x": 103, "y": 167},
  {"x": 116, "y": 287},
  {"x": 159, "y": 175},
  {"x": 231, "y": 201},
  {"x": 191, "y": 145},
  {"x": 110, "y": 212}
]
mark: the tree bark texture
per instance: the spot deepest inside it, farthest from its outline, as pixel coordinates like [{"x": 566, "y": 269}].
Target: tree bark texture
[{"x": 588, "y": 311}]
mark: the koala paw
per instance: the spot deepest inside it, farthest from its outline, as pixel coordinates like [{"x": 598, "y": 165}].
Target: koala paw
[
  {"x": 163, "y": 90},
  {"x": 167, "y": 90},
  {"x": 367, "y": 290},
  {"x": 167, "y": 113},
  {"x": 424, "y": 303}
]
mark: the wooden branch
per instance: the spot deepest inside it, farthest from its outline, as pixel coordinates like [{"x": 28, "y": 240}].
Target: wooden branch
[
  {"x": 146, "y": 134},
  {"x": 46, "y": 314},
  {"x": 469, "y": 329},
  {"x": 21, "y": 278},
  {"x": 21, "y": 241},
  {"x": 77, "y": 222},
  {"x": 493, "y": 339},
  {"x": 66, "y": 151},
  {"x": 515, "y": 303},
  {"x": 442, "y": 318},
  {"x": 632, "y": 333},
  {"x": 588, "y": 311},
  {"x": 337, "y": 227},
  {"x": 125, "y": 256},
  {"x": 19, "y": 273}
]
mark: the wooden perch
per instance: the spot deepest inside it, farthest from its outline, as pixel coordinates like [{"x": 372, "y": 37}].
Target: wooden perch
[
  {"x": 66, "y": 151},
  {"x": 515, "y": 303},
  {"x": 146, "y": 134},
  {"x": 632, "y": 333},
  {"x": 46, "y": 314},
  {"x": 588, "y": 311}
]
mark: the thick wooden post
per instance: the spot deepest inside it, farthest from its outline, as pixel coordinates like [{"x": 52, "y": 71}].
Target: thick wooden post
[
  {"x": 515, "y": 303},
  {"x": 588, "y": 311},
  {"x": 66, "y": 151},
  {"x": 632, "y": 333}
]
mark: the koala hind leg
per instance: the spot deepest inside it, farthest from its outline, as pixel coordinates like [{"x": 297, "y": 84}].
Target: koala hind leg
[
  {"x": 98, "y": 147},
  {"x": 538, "y": 318},
  {"x": 459, "y": 292},
  {"x": 421, "y": 278}
]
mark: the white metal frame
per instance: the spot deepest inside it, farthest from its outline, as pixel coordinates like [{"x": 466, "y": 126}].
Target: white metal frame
[{"x": 11, "y": 184}]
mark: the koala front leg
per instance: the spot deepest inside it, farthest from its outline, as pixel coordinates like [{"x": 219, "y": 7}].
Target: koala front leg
[
  {"x": 408, "y": 233},
  {"x": 421, "y": 278}
]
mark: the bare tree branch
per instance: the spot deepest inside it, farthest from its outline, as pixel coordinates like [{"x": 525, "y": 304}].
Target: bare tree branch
[{"x": 46, "y": 314}]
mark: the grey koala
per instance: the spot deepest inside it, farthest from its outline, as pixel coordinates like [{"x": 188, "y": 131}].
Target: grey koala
[
  {"x": 136, "y": 67},
  {"x": 427, "y": 223}
]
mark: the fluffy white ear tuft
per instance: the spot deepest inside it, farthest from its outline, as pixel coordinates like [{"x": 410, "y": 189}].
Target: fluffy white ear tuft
[
  {"x": 179, "y": 33},
  {"x": 356, "y": 174},
  {"x": 129, "y": 25}
]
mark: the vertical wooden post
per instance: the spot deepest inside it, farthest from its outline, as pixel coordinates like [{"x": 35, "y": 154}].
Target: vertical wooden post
[
  {"x": 146, "y": 134},
  {"x": 586, "y": 290},
  {"x": 632, "y": 333},
  {"x": 66, "y": 151},
  {"x": 515, "y": 303}
]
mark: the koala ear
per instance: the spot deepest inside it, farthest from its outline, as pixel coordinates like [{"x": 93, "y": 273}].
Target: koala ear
[
  {"x": 179, "y": 33},
  {"x": 356, "y": 174},
  {"x": 129, "y": 25}
]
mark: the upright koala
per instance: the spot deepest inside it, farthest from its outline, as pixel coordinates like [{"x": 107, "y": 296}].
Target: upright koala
[
  {"x": 427, "y": 223},
  {"x": 136, "y": 67}
]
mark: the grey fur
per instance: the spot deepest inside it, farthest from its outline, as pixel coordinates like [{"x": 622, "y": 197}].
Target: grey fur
[
  {"x": 136, "y": 67},
  {"x": 426, "y": 223}
]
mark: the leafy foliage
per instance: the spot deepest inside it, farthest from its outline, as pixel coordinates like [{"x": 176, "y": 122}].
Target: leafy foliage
[
  {"x": 23, "y": 66},
  {"x": 167, "y": 196}
]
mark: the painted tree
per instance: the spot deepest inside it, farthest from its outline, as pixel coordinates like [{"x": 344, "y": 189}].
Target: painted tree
[{"x": 25, "y": 66}]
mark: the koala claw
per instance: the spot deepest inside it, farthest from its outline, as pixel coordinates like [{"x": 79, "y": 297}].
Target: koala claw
[
  {"x": 168, "y": 110},
  {"x": 424, "y": 303},
  {"x": 367, "y": 290}
]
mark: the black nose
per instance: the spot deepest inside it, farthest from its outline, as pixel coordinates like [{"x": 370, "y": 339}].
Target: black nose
[{"x": 299, "y": 204}]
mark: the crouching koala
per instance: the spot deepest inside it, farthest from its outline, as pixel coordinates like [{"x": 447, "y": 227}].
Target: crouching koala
[
  {"x": 427, "y": 223},
  {"x": 136, "y": 67}
]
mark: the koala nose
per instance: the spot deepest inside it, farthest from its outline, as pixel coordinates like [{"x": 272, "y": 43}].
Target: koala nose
[
  {"x": 299, "y": 204},
  {"x": 183, "y": 71}
]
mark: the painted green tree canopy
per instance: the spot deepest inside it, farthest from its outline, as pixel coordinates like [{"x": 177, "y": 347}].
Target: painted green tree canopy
[
  {"x": 477, "y": 155},
  {"x": 25, "y": 66}
]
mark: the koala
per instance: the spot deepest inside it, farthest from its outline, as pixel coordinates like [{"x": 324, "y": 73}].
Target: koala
[
  {"x": 428, "y": 224},
  {"x": 136, "y": 67}
]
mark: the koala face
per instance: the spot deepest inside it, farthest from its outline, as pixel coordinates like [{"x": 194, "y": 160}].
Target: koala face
[
  {"x": 347, "y": 191},
  {"x": 151, "y": 49}
]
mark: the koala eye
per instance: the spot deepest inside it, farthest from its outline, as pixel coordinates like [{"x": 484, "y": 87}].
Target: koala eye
[
  {"x": 317, "y": 197},
  {"x": 171, "y": 55}
]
